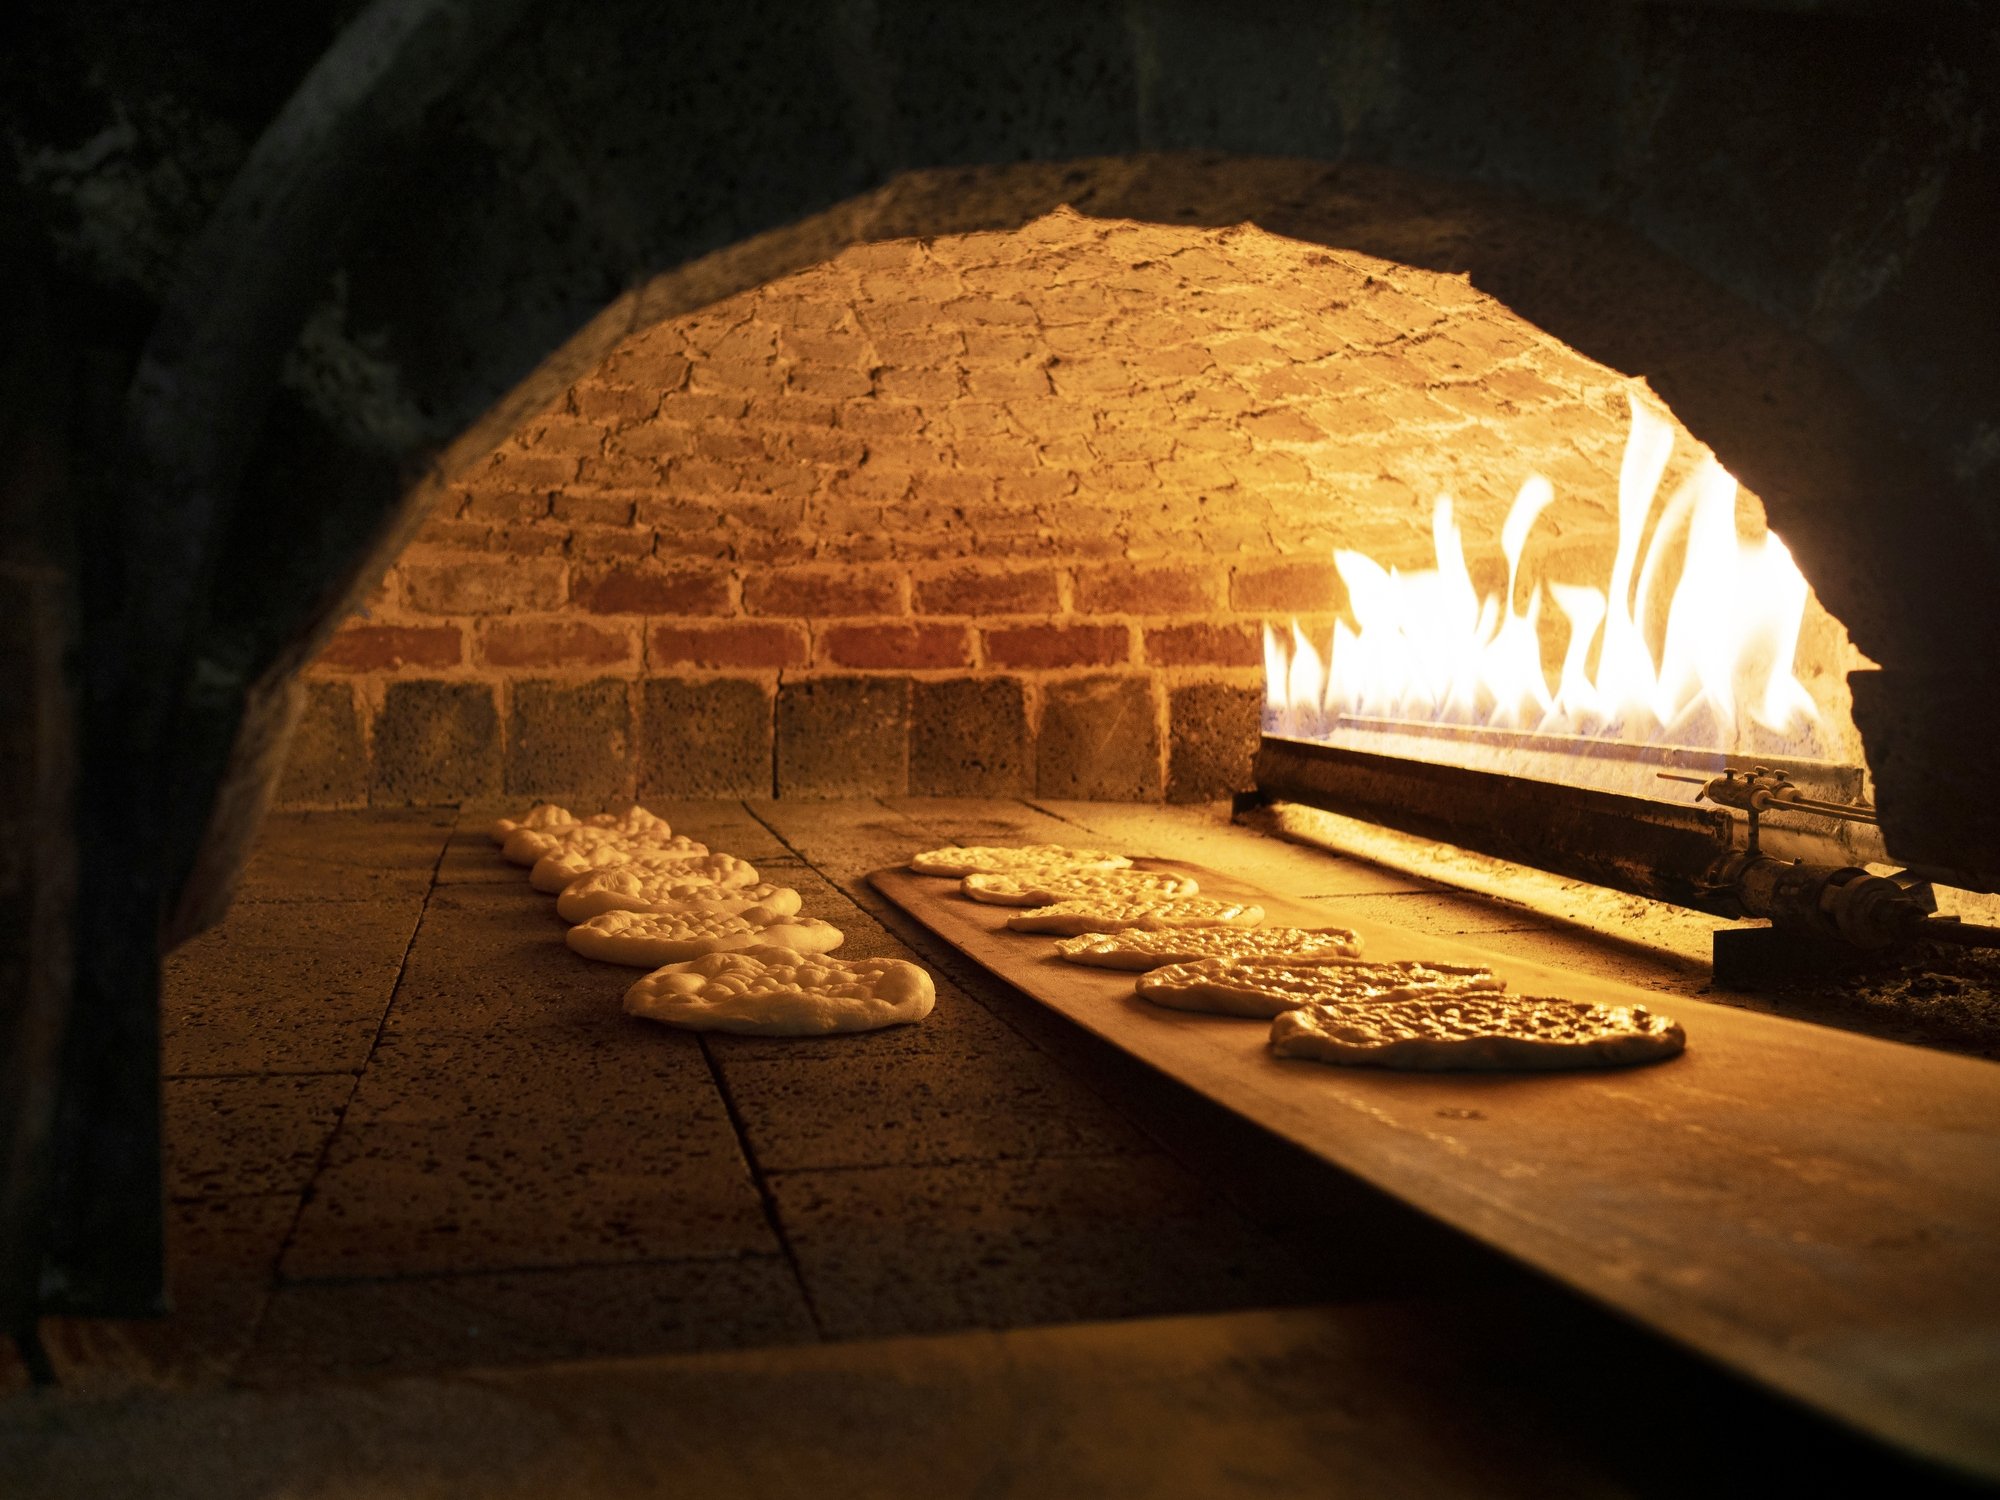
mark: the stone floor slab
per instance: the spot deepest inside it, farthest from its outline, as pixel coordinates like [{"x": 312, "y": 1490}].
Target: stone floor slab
[
  {"x": 435, "y": 1323},
  {"x": 284, "y": 986},
  {"x": 222, "y": 1255},
  {"x": 472, "y": 1153},
  {"x": 861, "y": 1111},
  {"x": 345, "y": 856},
  {"x": 230, "y": 1136},
  {"x": 1007, "y": 1244}
]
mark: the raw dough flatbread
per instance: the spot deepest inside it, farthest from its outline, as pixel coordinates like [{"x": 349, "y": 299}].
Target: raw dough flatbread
[
  {"x": 629, "y": 889},
  {"x": 1264, "y": 987},
  {"x": 554, "y": 871},
  {"x": 1045, "y": 887},
  {"x": 1069, "y": 918},
  {"x": 543, "y": 817},
  {"x": 1487, "y": 1033},
  {"x": 650, "y": 939},
  {"x": 1139, "y": 949},
  {"x": 776, "y": 992},
  {"x": 634, "y": 826},
  {"x": 990, "y": 859}
]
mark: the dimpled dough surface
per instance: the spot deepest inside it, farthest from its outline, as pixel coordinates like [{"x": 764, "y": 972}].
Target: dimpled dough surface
[
  {"x": 1071, "y": 918},
  {"x": 775, "y": 992},
  {"x": 987, "y": 859},
  {"x": 554, "y": 871},
  {"x": 543, "y": 817},
  {"x": 526, "y": 845},
  {"x": 649, "y": 939},
  {"x": 629, "y": 889},
  {"x": 1139, "y": 949},
  {"x": 1263, "y": 987},
  {"x": 1044, "y": 887},
  {"x": 1486, "y": 1033}
]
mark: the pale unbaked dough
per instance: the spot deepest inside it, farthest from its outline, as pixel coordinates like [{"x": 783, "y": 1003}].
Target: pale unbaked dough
[
  {"x": 776, "y": 992},
  {"x": 543, "y": 817},
  {"x": 1478, "y": 1032},
  {"x": 1069, "y": 918},
  {"x": 1263, "y": 987},
  {"x": 526, "y": 845},
  {"x": 1139, "y": 949},
  {"x": 649, "y": 939},
  {"x": 554, "y": 871},
  {"x": 988, "y": 859},
  {"x": 1044, "y": 887},
  {"x": 628, "y": 889}
]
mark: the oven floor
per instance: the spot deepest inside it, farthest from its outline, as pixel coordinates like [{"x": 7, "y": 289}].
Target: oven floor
[
  {"x": 410, "y": 1134},
  {"x": 408, "y": 1130}
]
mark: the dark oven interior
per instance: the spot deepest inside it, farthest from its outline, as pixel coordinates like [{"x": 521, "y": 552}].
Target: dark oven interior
[{"x": 848, "y": 430}]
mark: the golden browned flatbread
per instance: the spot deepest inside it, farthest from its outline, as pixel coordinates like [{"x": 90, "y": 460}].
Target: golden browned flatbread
[
  {"x": 1263, "y": 987},
  {"x": 959, "y": 860},
  {"x": 1483, "y": 1032},
  {"x": 1139, "y": 949},
  {"x": 1045, "y": 887},
  {"x": 1069, "y": 918}
]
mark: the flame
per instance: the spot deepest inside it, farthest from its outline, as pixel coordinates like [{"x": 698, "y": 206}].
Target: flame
[{"x": 1713, "y": 670}]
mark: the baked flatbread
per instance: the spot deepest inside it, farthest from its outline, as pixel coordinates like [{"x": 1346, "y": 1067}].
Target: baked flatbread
[
  {"x": 1069, "y": 918},
  {"x": 1139, "y": 949},
  {"x": 1263, "y": 987},
  {"x": 1044, "y": 887},
  {"x": 649, "y": 939},
  {"x": 543, "y": 817},
  {"x": 989, "y": 859},
  {"x": 1486, "y": 1033},
  {"x": 629, "y": 889},
  {"x": 776, "y": 992},
  {"x": 554, "y": 871}
]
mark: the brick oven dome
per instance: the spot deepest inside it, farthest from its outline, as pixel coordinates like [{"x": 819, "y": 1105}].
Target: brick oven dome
[{"x": 977, "y": 485}]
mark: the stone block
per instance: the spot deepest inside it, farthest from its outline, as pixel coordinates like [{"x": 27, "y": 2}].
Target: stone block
[
  {"x": 1212, "y": 732},
  {"x": 969, "y": 738},
  {"x": 843, "y": 737},
  {"x": 704, "y": 737},
  {"x": 1100, "y": 738},
  {"x": 435, "y": 742},
  {"x": 326, "y": 764},
  {"x": 227, "y": 1136},
  {"x": 570, "y": 742}
]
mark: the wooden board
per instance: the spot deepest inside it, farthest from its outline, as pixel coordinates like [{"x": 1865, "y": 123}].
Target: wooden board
[{"x": 1818, "y": 1210}]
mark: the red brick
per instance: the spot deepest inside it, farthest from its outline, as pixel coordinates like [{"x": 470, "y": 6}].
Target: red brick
[
  {"x": 554, "y": 643},
  {"x": 823, "y": 593},
  {"x": 1205, "y": 645},
  {"x": 617, "y": 405},
  {"x": 989, "y": 591},
  {"x": 596, "y": 510},
  {"x": 530, "y": 540},
  {"x": 443, "y": 532},
  {"x": 1294, "y": 586},
  {"x": 1145, "y": 589},
  {"x": 601, "y": 542},
  {"x": 653, "y": 591},
  {"x": 500, "y": 503},
  {"x": 618, "y": 471},
  {"x": 655, "y": 369},
  {"x": 728, "y": 445},
  {"x": 483, "y": 585},
  {"x": 563, "y": 435},
  {"x": 389, "y": 648},
  {"x": 745, "y": 645},
  {"x": 895, "y": 646},
  {"x": 530, "y": 470},
  {"x": 655, "y": 440},
  {"x": 1058, "y": 646}
]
